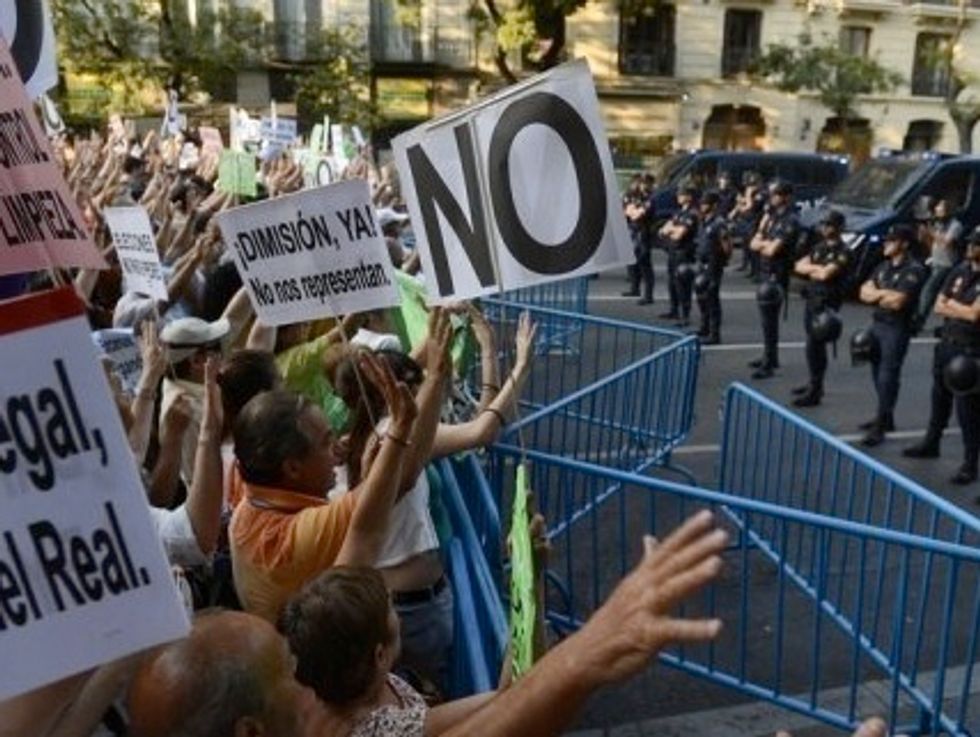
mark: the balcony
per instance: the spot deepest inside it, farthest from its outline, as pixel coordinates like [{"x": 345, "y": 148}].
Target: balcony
[
  {"x": 928, "y": 10},
  {"x": 875, "y": 7}
]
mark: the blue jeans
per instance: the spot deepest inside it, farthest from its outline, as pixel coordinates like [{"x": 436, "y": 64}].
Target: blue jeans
[{"x": 427, "y": 636}]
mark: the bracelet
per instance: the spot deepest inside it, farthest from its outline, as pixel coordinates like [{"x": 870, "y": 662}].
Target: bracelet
[
  {"x": 491, "y": 387},
  {"x": 397, "y": 440},
  {"x": 498, "y": 414}
]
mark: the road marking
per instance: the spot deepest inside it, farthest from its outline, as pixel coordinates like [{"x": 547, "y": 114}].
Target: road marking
[{"x": 851, "y": 437}]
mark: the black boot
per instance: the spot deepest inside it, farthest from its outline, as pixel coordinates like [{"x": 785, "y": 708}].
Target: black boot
[
  {"x": 928, "y": 447},
  {"x": 809, "y": 399},
  {"x": 966, "y": 474}
]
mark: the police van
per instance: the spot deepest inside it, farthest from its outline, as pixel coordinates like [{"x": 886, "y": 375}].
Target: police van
[
  {"x": 813, "y": 176},
  {"x": 896, "y": 188}
]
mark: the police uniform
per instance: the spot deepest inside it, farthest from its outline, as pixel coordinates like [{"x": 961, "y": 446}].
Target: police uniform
[
  {"x": 711, "y": 254},
  {"x": 959, "y": 338},
  {"x": 783, "y": 226},
  {"x": 744, "y": 225},
  {"x": 679, "y": 252},
  {"x": 821, "y": 296},
  {"x": 893, "y": 329},
  {"x": 642, "y": 271}
]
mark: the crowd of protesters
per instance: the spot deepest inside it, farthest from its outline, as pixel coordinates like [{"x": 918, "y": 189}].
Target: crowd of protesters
[{"x": 288, "y": 476}]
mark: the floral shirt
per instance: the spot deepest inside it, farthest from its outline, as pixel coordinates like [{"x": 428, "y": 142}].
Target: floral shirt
[{"x": 406, "y": 720}]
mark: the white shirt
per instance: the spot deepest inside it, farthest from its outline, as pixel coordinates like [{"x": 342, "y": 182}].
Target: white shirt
[
  {"x": 376, "y": 341},
  {"x": 175, "y": 531}
]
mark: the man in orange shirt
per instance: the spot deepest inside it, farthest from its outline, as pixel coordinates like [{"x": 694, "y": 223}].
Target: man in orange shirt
[{"x": 285, "y": 531}]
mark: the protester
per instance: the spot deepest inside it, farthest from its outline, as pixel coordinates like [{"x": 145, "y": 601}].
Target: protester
[{"x": 941, "y": 240}]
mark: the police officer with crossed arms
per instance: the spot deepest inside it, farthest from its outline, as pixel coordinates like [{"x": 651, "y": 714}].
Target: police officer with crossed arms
[
  {"x": 678, "y": 234},
  {"x": 955, "y": 374},
  {"x": 894, "y": 291},
  {"x": 774, "y": 243},
  {"x": 825, "y": 268},
  {"x": 713, "y": 246}
]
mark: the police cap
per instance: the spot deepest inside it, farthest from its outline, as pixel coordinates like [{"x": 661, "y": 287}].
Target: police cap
[
  {"x": 781, "y": 187},
  {"x": 835, "y": 219},
  {"x": 901, "y": 232}
]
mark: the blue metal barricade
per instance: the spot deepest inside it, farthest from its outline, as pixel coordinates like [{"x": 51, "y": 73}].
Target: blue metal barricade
[
  {"x": 568, "y": 295},
  {"x": 873, "y": 658}
]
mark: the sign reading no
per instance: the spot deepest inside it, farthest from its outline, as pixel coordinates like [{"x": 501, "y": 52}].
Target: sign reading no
[{"x": 515, "y": 190}]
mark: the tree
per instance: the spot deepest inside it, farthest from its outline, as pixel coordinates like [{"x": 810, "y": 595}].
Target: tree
[
  {"x": 337, "y": 82},
  {"x": 836, "y": 76},
  {"x": 963, "y": 110},
  {"x": 136, "y": 43}
]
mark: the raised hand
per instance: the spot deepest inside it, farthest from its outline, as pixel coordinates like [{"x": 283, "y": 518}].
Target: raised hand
[
  {"x": 524, "y": 342},
  {"x": 212, "y": 422},
  {"x": 152, "y": 353},
  {"x": 440, "y": 336},
  {"x": 402, "y": 409}
]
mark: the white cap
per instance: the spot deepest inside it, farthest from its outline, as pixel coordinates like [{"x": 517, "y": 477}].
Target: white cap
[
  {"x": 387, "y": 216},
  {"x": 184, "y": 336}
]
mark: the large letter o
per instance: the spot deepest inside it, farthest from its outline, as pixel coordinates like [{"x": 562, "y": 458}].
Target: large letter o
[{"x": 552, "y": 111}]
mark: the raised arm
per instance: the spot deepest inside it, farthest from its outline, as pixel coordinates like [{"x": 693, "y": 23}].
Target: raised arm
[
  {"x": 154, "y": 359},
  {"x": 484, "y": 429},
  {"x": 489, "y": 363},
  {"x": 205, "y": 496},
  {"x": 377, "y": 494}
]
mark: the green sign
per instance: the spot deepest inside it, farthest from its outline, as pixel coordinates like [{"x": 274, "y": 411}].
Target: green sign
[
  {"x": 236, "y": 173},
  {"x": 522, "y": 600}
]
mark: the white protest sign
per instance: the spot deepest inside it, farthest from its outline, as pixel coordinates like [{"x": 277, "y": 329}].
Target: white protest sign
[
  {"x": 173, "y": 121},
  {"x": 85, "y": 579},
  {"x": 279, "y": 131},
  {"x": 54, "y": 125},
  {"x": 313, "y": 254},
  {"x": 119, "y": 346},
  {"x": 516, "y": 190},
  {"x": 132, "y": 237},
  {"x": 26, "y": 24},
  {"x": 40, "y": 223},
  {"x": 211, "y": 142}
]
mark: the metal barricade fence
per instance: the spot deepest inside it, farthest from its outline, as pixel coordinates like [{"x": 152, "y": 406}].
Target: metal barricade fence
[
  {"x": 900, "y": 584},
  {"x": 568, "y": 295}
]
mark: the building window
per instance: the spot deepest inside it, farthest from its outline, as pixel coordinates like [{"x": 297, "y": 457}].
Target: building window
[
  {"x": 743, "y": 29},
  {"x": 855, "y": 40},
  {"x": 930, "y": 77},
  {"x": 646, "y": 42}
]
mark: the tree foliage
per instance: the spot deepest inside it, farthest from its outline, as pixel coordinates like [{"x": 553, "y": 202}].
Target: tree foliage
[
  {"x": 836, "y": 76},
  {"x": 336, "y": 82}
]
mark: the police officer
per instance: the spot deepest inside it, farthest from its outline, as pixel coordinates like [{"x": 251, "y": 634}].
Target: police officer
[
  {"x": 727, "y": 193},
  {"x": 825, "y": 267},
  {"x": 713, "y": 246},
  {"x": 638, "y": 208},
  {"x": 894, "y": 290},
  {"x": 745, "y": 217},
  {"x": 678, "y": 234},
  {"x": 775, "y": 243},
  {"x": 959, "y": 303}
]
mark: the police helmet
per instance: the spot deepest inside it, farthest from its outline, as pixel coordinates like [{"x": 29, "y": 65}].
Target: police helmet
[
  {"x": 962, "y": 375},
  {"x": 826, "y": 326},
  {"x": 702, "y": 283},
  {"x": 834, "y": 219},
  {"x": 864, "y": 347},
  {"x": 685, "y": 273},
  {"x": 780, "y": 187},
  {"x": 901, "y": 233},
  {"x": 769, "y": 294}
]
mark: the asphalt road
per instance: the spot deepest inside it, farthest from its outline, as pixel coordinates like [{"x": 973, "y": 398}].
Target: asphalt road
[{"x": 662, "y": 701}]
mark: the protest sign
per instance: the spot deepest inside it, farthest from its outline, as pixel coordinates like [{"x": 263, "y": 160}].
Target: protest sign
[
  {"x": 54, "y": 125},
  {"x": 132, "y": 237},
  {"x": 119, "y": 346},
  {"x": 85, "y": 579},
  {"x": 516, "y": 190},
  {"x": 279, "y": 131},
  {"x": 236, "y": 173},
  {"x": 522, "y": 598},
  {"x": 211, "y": 142},
  {"x": 317, "y": 139},
  {"x": 313, "y": 254},
  {"x": 40, "y": 224},
  {"x": 26, "y": 25},
  {"x": 173, "y": 122}
]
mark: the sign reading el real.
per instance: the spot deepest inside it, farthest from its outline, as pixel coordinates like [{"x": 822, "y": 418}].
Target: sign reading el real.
[
  {"x": 84, "y": 576},
  {"x": 515, "y": 190},
  {"x": 316, "y": 253},
  {"x": 132, "y": 237},
  {"x": 40, "y": 224}
]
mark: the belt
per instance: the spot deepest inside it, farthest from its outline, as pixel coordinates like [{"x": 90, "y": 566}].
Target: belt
[{"x": 420, "y": 596}]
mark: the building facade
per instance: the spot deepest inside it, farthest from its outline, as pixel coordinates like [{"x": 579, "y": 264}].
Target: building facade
[{"x": 678, "y": 77}]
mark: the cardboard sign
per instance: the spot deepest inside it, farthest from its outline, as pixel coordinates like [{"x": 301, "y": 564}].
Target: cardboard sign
[
  {"x": 40, "y": 224},
  {"x": 236, "y": 173},
  {"x": 132, "y": 237},
  {"x": 119, "y": 346},
  {"x": 279, "y": 131},
  {"x": 313, "y": 254},
  {"x": 85, "y": 579},
  {"x": 26, "y": 24},
  {"x": 516, "y": 190},
  {"x": 211, "y": 142}
]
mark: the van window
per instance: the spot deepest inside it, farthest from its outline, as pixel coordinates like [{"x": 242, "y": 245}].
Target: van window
[
  {"x": 954, "y": 183},
  {"x": 704, "y": 172}
]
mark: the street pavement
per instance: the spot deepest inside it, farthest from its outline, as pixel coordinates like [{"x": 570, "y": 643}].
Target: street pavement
[{"x": 663, "y": 702}]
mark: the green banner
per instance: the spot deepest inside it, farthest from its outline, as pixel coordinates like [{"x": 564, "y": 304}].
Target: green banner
[
  {"x": 522, "y": 600},
  {"x": 236, "y": 173}
]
